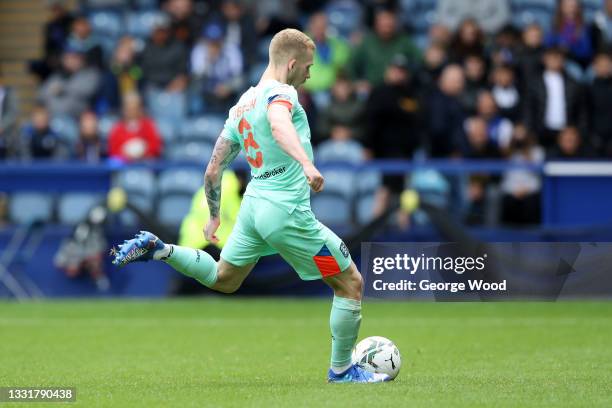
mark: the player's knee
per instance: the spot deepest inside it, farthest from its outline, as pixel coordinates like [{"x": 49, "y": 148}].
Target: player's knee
[{"x": 356, "y": 284}]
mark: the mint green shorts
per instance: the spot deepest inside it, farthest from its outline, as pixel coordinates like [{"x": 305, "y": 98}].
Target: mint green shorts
[{"x": 262, "y": 228}]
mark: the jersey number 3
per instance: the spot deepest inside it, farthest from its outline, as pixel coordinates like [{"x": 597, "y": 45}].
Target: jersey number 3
[{"x": 244, "y": 128}]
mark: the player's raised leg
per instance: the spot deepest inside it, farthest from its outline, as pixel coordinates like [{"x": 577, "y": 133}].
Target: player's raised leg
[
  {"x": 345, "y": 319},
  {"x": 197, "y": 264}
]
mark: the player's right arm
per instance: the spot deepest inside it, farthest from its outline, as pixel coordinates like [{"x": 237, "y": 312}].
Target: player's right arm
[
  {"x": 286, "y": 136},
  {"x": 224, "y": 153}
]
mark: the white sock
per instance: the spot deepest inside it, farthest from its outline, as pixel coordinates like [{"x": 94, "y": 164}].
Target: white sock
[
  {"x": 340, "y": 370},
  {"x": 162, "y": 253}
]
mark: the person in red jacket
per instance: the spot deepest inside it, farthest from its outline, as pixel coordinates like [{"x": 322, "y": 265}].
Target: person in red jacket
[{"x": 135, "y": 137}]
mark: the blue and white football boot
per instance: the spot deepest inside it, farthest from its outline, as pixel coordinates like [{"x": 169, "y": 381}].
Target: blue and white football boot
[
  {"x": 356, "y": 374},
  {"x": 138, "y": 249}
]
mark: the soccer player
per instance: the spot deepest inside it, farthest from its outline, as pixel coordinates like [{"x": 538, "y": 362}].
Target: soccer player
[{"x": 275, "y": 216}]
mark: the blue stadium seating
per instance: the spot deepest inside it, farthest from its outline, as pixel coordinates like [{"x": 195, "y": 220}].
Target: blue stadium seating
[
  {"x": 334, "y": 151},
  {"x": 28, "y": 207},
  {"x": 106, "y": 23},
  {"x": 73, "y": 207},
  {"x": 192, "y": 151},
  {"x": 179, "y": 181},
  {"x": 166, "y": 129},
  {"x": 140, "y": 23},
  {"x": 140, "y": 186},
  {"x": 369, "y": 182},
  {"x": 344, "y": 17},
  {"x": 105, "y": 125},
  {"x": 364, "y": 206},
  {"x": 171, "y": 106},
  {"x": 205, "y": 127},
  {"x": 172, "y": 209},
  {"x": 66, "y": 127},
  {"x": 331, "y": 208},
  {"x": 339, "y": 182}
]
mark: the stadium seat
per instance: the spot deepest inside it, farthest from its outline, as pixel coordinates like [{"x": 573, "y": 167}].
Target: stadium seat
[
  {"x": 364, "y": 206},
  {"x": 179, "y": 181},
  {"x": 140, "y": 186},
  {"x": 138, "y": 180},
  {"x": 73, "y": 207},
  {"x": 105, "y": 125},
  {"x": 368, "y": 183},
  {"x": 334, "y": 151},
  {"x": 28, "y": 207},
  {"x": 206, "y": 127},
  {"x": 344, "y": 17},
  {"x": 170, "y": 106},
  {"x": 66, "y": 128},
  {"x": 140, "y": 23},
  {"x": 172, "y": 209},
  {"x": 176, "y": 188},
  {"x": 106, "y": 24},
  {"x": 193, "y": 151},
  {"x": 331, "y": 208},
  {"x": 541, "y": 17},
  {"x": 166, "y": 129},
  {"x": 339, "y": 182}
]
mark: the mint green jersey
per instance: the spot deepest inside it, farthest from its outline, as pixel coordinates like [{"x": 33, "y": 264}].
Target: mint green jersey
[{"x": 275, "y": 176}]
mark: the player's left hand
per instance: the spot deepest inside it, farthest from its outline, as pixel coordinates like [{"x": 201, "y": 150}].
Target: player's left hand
[
  {"x": 211, "y": 229},
  {"x": 315, "y": 179}
]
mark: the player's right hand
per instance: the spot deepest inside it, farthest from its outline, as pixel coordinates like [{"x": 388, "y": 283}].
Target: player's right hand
[
  {"x": 211, "y": 229},
  {"x": 315, "y": 179}
]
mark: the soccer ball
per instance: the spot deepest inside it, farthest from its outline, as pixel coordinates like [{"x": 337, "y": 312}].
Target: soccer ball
[{"x": 378, "y": 355}]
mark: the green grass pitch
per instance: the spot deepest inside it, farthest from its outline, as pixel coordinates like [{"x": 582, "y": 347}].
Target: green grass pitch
[{"x": 274, "y": 353}]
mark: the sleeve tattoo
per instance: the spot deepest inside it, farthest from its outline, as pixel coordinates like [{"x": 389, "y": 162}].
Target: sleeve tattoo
[{"x": 224, "y": 153}]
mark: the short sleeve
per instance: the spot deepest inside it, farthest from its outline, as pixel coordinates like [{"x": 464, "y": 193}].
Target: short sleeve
[
  {"x": 282, "y": 94},
  {"x": 228, "y": 131}
]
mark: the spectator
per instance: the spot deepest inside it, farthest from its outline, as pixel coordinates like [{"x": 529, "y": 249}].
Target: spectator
[
  {"x": 9, "y": 111},
  {"x": 135, "y": 137},
  {"x": 505, "y": 92},
  {"x": 445, "y": 114},
  {"x": 373, "y": 55},
  {"x": 475, "y": 69},
  {"x": 89, "y": 146},
  {"x": 602, "y": 28},
  {"x": 479, "y": 147},
  {"x": 433, "y": 62},
  {"x": 569, "y": 32},
  {"x": 344, "y": 110},
  {"x": 81, "y": 38},
  {"x": 599, "y": 102},
  {"x": 331, "y": 55},
  {"x": 340, "y": 147},
  {"x": 271, "y": 16},
  {"x": 468, "y": 40},
  {"x": 240, "y": 29},
  {"x": 439, "y": 34},
  {"x": 393, "y": 112},
  {"x": 122, "y": 78},
  {"x": 491, "y": 15},
  {"x": 70, "y": 91},
  {"x": 554, "y": 100},
  {"x": 570, "y": 146},
  {"x": 529, "y": 55},
  {"x": 185, "y": 23},
  {"x": 499, "y": 129},
  {"x": 56, "y": 34},
  {"x": 217, "y": 69},
  {"x": 521, "y": 187},
  {"x": 39, "y": 140},
  {"x": 164, "y": 60},
  {"x": 505, "y": 46}
]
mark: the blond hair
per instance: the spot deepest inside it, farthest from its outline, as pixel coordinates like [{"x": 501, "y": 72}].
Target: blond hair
[{"x": 288, "y": 44}]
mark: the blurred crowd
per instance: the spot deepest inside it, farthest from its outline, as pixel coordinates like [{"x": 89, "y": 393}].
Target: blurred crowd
[{"x": 469, "y": 82}]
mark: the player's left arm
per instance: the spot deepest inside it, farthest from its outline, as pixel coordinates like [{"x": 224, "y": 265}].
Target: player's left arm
[{"x": 224, "y": 153}]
